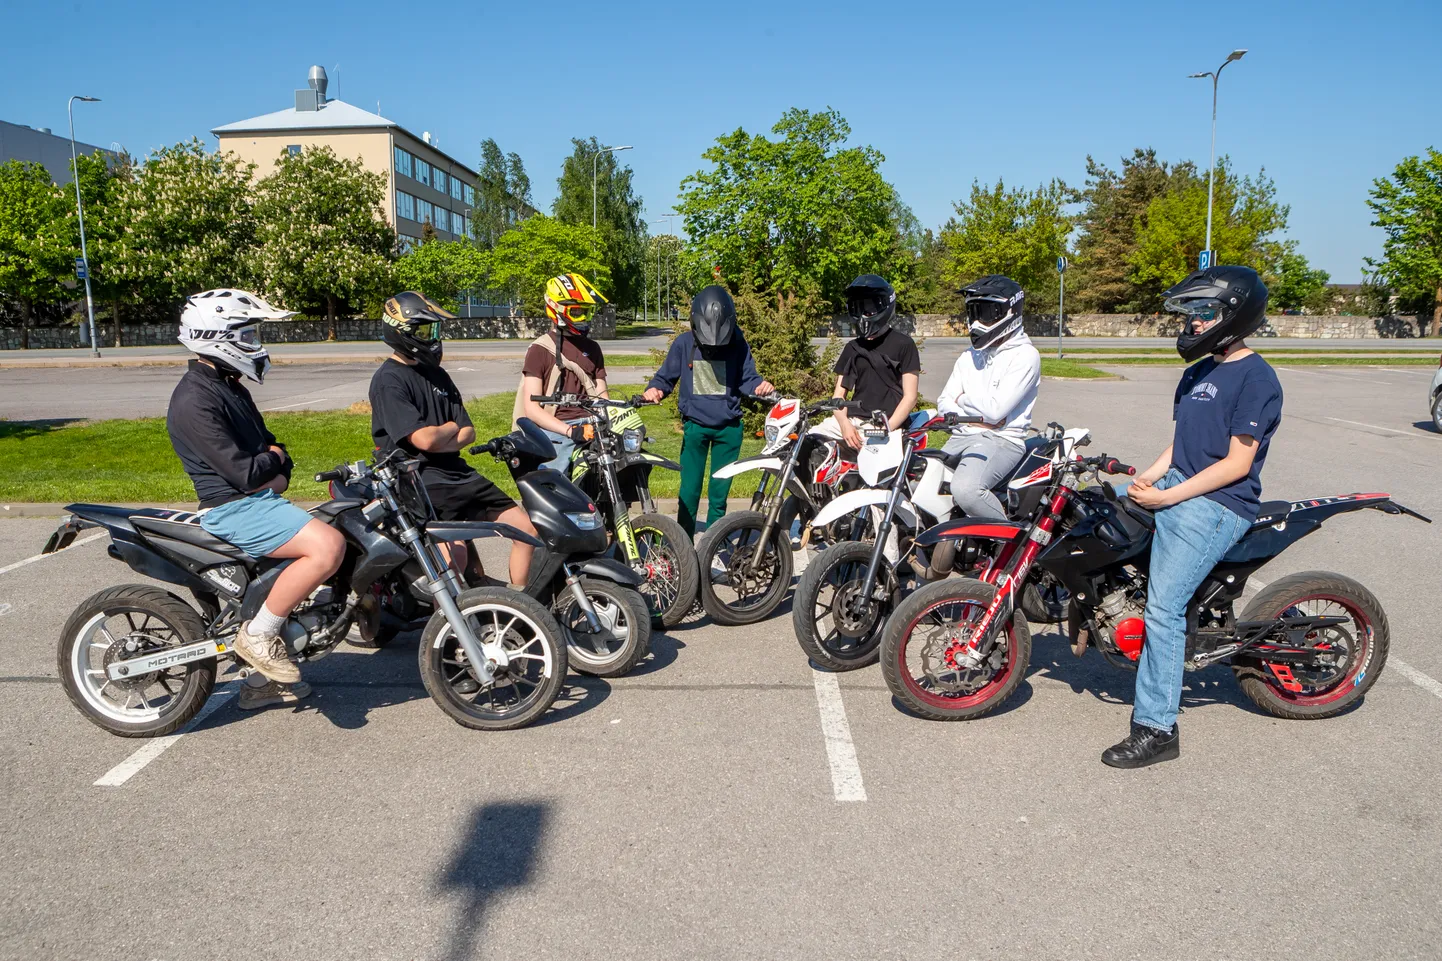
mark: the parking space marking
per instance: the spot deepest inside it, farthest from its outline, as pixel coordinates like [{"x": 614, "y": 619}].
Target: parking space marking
[
  {"x": 40, "y": 557},
  {"x": 286, "y": 406},
  {"x": 846, "y": 782},
  {"x": 132, "y": 765},
  {"x": 1390, "y": 430}
]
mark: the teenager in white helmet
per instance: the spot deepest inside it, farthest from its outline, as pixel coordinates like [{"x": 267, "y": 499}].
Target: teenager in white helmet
[
  {"x": 996, "y": 380},
  {"x": 240, "y": 470}
]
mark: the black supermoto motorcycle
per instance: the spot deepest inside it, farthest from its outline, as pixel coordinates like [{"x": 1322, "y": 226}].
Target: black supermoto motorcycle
[
  {"x": 1309, "y": 645},
  {"x": 140, "y": 661}
]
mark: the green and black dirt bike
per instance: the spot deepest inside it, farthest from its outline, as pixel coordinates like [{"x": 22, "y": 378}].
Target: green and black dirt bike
[{"x": 614, "y": 469}]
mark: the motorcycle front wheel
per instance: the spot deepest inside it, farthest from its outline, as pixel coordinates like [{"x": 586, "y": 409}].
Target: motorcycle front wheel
[
  {"x": 835, "y": 628},
  {"x": 625, "y": 621},
  {"x": 519, "y": 693},
  {"x": 742, "y": 580},
  {"x": 668, "y": 562}
]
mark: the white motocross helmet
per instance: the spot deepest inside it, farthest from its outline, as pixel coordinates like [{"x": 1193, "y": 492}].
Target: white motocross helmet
[{"x": 221, "y": 325}]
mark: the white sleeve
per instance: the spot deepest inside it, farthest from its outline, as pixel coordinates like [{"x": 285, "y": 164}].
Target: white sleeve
[
  {"x": 1018, "y": 383},
  {"x": 949, "y": 401}
]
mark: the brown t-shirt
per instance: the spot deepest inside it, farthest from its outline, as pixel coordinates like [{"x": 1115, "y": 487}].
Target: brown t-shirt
[{"x": 584, "y": 352}]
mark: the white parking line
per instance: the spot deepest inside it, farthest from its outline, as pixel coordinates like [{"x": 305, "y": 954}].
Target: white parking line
[
  {"x": 1358, "y": 423},
  {"x": 267, "y": 410},
  {"x": 40, "y": 557},
  {"x": 840, "y": 751},
  {"x": 132, "y": 765}
]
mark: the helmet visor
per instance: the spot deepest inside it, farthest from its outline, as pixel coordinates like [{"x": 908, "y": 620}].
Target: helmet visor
[
  {"x": 248, "y": 336},
  {"x": 579, "y": 313},
  {"x": 1196, "y": 308},
  {"x": 866, "y": 303},
  {"x": 428, "y": 332},
  {"x": 985, "y": 312}
]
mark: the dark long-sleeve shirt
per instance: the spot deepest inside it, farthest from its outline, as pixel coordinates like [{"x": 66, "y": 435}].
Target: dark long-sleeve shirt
[
  {"x": 711, "y": 386},
  {"x": 220, "y": 437}
]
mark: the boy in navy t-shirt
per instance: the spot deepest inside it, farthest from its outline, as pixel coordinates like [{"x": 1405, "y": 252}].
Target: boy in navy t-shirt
[{"x": 1205, "y": 488}]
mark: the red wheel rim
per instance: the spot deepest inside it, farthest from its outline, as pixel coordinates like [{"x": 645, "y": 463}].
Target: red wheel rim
[
  {"x": 980, "y": 696},
  {"x": 1356, "y": 671}
]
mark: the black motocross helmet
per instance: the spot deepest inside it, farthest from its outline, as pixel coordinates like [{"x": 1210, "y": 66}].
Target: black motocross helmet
[
  {"x": 713, "y": 317},
  {"x": 1233, "y": 296},
  {"x": 994, "y": 308},
  {"x": 413, "y": 326},
  {"x": 871, "y": 302}
]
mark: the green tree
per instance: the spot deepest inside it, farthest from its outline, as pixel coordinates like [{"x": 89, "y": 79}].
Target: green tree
[
  {"x": 187, "y": 224},
  {"x": 36, "y": 221},
  {"x": 441, "y": 269},
  {"x": 928, "y": 287},
  {"x": 667, "y": 274},
  {"x": 1112, "y": 205},
  {"x": 1172, "y": 232},
  {"x": 1408, "y": 207},
  {"x": 101, "y": 183},
  {"x": 1292, "y": 283},
  {"x": 1017, "y": 232},
  {"x": 321, "y": 232},
  {"x": 801, "y": 214},
  {"x": 503, "y": 196},
  {"x": 538, "y": 249},
  {"x": 620, "y": 232}
]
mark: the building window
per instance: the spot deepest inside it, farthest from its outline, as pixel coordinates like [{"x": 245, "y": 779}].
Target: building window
[
  {"x": 403, "y": 162},
  {"x": 443, "y": 219},
  {"x": 470, "y": 197},
  {"x": 438, "y": 180},
  {"x": 293, "y": 149},
  {"x": 424, "y": 212},
  {"x": 423, "y": 171},
  {"x": 407, "y": 242},
  {"x": 456, "y": 189},
  {"x": 405, "y": 205},
  {"x": 465, "y": 230}
]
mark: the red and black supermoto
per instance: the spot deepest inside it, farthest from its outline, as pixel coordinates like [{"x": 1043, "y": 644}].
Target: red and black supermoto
[{"x": 1308, "y": 645}]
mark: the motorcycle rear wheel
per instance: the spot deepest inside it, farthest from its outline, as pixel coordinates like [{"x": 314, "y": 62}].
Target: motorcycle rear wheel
[
  {"x": 668, "y": 559},
  {"x": 98, "y": 633},
  {"x": 1319, "y": 692},
  {"x": 737, "y": 588},
  {"x": 827, "y": 629},
  {"x": 527, "y": 689}
]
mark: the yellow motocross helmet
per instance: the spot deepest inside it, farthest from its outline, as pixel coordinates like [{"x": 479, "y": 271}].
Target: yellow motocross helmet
[{"x": 571, "y": 301}]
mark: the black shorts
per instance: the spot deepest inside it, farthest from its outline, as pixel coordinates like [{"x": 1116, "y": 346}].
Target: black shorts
[{"x": 473, "y": 499}]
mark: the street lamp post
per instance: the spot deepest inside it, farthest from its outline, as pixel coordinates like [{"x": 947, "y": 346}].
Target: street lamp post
[
  {"x": 80, "y": 214},
  {"x": 1212, "y": 169},
  {"x": 659, "y": 311},
  {"x": 595, "y": 157}
]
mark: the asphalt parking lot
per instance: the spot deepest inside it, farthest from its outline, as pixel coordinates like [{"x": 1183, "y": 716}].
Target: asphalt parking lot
[{"x": 691, "y": 809}]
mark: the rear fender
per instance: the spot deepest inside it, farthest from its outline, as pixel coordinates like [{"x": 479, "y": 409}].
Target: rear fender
[
  {"x": 970, "y": 529},
  {"x": 750, "y": 463}
]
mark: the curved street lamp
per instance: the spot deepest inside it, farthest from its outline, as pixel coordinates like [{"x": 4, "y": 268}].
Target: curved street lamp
[
  {"x": 595, "y": 157},
  {"x": 1211, "y": 170},
  {"x": 80, "y": 214}
]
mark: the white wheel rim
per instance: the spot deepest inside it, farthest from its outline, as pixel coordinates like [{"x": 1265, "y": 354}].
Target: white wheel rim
[{"x": 91, "y": 681}]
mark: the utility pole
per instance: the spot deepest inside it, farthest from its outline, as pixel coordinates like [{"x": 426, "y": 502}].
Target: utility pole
[
  {"x": 595, "y": 157},
  {"x": 1216, "y": 75},
  {"x": 80, "y": 214}
]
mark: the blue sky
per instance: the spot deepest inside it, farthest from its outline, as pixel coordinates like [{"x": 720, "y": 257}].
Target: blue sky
[{"x": 1330, "y": 95}]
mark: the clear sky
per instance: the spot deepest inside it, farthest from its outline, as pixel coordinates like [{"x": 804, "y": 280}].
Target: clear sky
[{"x": 1330, "y": 96}]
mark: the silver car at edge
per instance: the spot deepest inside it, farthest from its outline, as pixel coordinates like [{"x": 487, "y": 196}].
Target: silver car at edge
[{"x": 1434, "y": 398}]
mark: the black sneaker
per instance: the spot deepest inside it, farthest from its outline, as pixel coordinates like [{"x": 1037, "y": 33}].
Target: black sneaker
[{"x": 1144, "y": 746}]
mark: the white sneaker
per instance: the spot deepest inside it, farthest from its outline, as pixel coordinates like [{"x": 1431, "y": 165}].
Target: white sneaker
[
  {"x": 268, "y": 693},
  {"x": 266, "y": 654}
]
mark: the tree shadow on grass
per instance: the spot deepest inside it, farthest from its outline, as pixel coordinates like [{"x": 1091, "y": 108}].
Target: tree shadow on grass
[
  {"x": 27, "y": 429},
  {"x": 497, "y": 854}
]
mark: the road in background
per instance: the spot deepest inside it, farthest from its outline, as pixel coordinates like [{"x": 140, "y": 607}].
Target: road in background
[{"x": 689, "y": 809}]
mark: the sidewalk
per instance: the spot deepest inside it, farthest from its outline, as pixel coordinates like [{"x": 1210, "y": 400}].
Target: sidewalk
[{"x": 664, "y": 505}]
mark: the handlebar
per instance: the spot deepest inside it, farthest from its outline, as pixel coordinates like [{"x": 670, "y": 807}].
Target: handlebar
[
  {"x": 955, "y": 420},
  {"x": 1113, "y": 466},
  {"x": 576, "y": 400},
  {"x": 330, "y": 475},
  {"x": 487, "y": 448}
]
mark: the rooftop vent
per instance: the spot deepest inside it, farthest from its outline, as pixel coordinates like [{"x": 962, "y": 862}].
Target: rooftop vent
[
  {"x": 43, "y": 129},
  {"x": 318, "y": 81},
  {"x": 313, "y": 97}
]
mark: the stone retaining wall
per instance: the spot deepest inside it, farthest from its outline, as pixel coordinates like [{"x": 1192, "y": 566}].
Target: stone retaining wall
[{"x": 1324, "y": 326}]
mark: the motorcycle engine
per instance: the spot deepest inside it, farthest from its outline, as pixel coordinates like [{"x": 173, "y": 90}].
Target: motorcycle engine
[
  {"x": 1120, "y": 614},
  {"x": 300, "y": 628}
]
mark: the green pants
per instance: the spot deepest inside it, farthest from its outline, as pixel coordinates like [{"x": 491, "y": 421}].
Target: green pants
[{"x": 724, "y": 445}]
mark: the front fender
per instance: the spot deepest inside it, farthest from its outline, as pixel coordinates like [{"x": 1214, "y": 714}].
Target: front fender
[
  {"x": 749, "y": 463},
  {"x": 653, "y": 460},
  {"x": 969, "y": 528},
  {"x": 611, "y": 570},
  {"x": 848, "y": 503}
]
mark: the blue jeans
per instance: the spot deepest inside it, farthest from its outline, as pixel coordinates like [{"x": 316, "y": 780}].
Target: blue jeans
[
  {"x": 1190, "y": 539},
  {"x": 564, "y": 448}
]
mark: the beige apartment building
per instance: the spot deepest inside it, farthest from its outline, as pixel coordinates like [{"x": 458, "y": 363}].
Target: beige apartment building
[{"x": 423, "y": 184}]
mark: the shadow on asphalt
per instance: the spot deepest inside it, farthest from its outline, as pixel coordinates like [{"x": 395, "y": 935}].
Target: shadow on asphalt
[
  {"x": 664, "y": 649},
  {"x": 498, "y": 854},
  {"x": 1426, "y": 425}
]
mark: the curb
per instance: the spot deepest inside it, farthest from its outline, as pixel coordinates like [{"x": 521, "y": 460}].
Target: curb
[{"x": 664, "y": 505}]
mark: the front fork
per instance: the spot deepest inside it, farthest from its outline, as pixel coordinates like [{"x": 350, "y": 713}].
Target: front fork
[
  {"x": 883, "y": 531},
  {"x": 774, "y": 514},
  {"x": 620, "y": 516},
  {"x": 485, "y": 659}
]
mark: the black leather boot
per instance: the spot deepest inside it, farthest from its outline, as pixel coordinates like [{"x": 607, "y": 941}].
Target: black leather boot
[{"x": 1144, "y": 746}]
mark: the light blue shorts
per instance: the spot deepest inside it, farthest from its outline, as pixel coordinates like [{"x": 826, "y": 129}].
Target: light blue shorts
[{"x": 257, "y": 524}]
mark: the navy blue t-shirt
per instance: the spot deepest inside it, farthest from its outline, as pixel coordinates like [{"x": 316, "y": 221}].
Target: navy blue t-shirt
[{"x": 1216, "y": 402}]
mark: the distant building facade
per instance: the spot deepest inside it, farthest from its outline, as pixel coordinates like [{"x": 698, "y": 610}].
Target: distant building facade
[
  {"x": 423, "y": 184},
  {"x": 39, "y": 145}
]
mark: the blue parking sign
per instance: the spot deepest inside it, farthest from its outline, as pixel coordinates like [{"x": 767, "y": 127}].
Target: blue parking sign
[{"x": 1204, "y": 260}]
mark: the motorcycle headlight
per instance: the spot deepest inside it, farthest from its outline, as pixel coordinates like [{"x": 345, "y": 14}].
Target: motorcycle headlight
[
  {"x": 631, "y": 439},
  {"x": 586, "y": 521},
  {"x": 771, "y": 431}
]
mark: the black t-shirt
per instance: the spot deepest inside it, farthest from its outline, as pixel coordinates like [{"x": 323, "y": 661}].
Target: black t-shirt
[
  {"x": 872, "y": 369},
  {"x": 403, "y": 400}
]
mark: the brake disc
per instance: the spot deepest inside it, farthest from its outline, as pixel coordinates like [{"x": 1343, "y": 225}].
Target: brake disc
[
  {"x": 852, "y": 614},
  {"x": 117, "y": 653}
]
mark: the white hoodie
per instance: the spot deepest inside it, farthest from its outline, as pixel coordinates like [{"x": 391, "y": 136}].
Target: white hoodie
[{"x": 997, "y": 385}]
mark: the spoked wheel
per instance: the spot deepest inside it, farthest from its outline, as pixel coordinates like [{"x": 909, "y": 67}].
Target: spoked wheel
[
  {"x": 1350, "y": 655},
  {"x": 742, "y": 580},
  {"x": 668, "y": 562},
  {"x": 625, "y": 634},
  {"x": 836, "y": 627},
  {"x": 122, "y": 623},
  {"x": 519, "y": 693},
  {"x": 925, "y": 657},
  {"x": 1044, "y": 600}
]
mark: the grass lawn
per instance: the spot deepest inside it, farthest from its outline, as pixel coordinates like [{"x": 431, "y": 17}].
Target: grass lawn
[
  {"x": 1066, "y": 367},
  {"x": 1282, "y": 358}
]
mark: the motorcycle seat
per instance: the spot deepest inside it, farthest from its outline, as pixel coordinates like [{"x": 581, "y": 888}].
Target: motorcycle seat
[
  {"x": 337, "y": 507},
  {"x": 1272, "y": 512},
  {"x": 190, "y": 533}
]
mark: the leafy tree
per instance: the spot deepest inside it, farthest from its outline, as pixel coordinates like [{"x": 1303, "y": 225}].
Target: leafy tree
[
  {"x": 1173, "y": 231},
  {"x": 1408, "y": 207},
  {"x": 1112, "y": 205},
  {"x": 36, "y": 221},
  {"x": 441, "y": 269},
  {"x": 1017, "y": 232},
  {"x": 503, "y": 197},
  {"x": 187, "y": 225},
  {"x": 1292, "y": 283},
  {"x": 101, "y": 182},
  {"x": 801, "y": 214},
  {"x": 667, "y": 274},
  {"x": 928, "y": 287},
  {"x": 321, "y": 232},
  {"x": 518, "y": 188},
  {"x": 620, "y": 231},
  {"x": 537, "y": 250}
]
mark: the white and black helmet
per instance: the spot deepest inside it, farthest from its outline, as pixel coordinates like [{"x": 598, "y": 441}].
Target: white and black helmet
[
  {"x": 994, "y": 306},
  {"x": 221, "y": 325}
]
